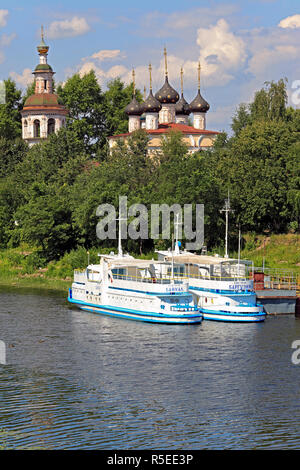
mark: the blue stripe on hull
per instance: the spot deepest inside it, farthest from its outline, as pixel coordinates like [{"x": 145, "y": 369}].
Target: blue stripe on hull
[
  {"x": 234, "y": 317},
  {"x": 233, "y": 320},
  {"x": 137, "y": 315}
]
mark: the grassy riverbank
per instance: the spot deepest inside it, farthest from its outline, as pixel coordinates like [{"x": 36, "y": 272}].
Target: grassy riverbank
[{"x": 24, "y": 267}]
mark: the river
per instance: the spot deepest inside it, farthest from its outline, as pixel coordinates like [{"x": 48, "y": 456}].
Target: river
[{"x": 74, "y": 380}]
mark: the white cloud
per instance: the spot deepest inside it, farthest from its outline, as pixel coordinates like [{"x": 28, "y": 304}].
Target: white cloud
[
  {"x": 6, "y": 39},
  {"x": 266, "y": 58},
  {"x": 221, "y": 51},
  {"x": 3, "y": 15},
  {"x": 68, "y": 28},
  {"x": 23, "y": 79},
  {"x": 290, "y": 22},
  {"x": 106, "y": 54}
]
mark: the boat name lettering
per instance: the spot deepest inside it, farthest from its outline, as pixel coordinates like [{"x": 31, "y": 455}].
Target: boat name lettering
[{"x": 174, "y": 289}]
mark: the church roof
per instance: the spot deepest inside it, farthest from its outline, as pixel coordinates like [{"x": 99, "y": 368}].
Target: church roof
[
  {"x": 134, "y": 108},
  {"x": 182, "y": 107},
  {"x": 172, "y": 126},
  {"x": 151, "y": 104},
  {"x": 199, "y": 104},
  {"x": 44, "y": 100},
  {"x": 43, "y": 67},
  {"x": 167, "y": 94}
]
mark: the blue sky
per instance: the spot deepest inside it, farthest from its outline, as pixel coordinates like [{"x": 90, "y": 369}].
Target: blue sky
[{"x": 240, "y": 44}]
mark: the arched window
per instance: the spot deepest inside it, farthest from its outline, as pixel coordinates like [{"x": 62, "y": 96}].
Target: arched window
[
  {"x": 25, "y": 127},
  {"x": 51, "y": 126},
  {"x": 36, "y": 128}
]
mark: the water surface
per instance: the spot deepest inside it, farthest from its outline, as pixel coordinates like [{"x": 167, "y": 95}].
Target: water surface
[{"x": 75, "y": 380}]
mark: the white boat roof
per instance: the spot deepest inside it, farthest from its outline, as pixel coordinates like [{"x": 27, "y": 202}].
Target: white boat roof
[
  {"x": 202, "y": 259},
  {"x": 138, "y": 263}
]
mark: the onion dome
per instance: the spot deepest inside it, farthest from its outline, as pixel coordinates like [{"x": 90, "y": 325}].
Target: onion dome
[
  {"x": 151, "y": 105},
  {"x": 42, "y": 47},
  {"x": 42, "y": 100},
  {"x": 199, "y": 105},
  {"x": 167, "y": 94},
  {"x": 182, "y": 107},
  {"x": 134, "y": 108}
]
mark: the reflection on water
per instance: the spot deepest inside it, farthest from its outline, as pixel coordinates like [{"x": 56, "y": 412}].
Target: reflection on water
[{"x": 75, "y": 380}]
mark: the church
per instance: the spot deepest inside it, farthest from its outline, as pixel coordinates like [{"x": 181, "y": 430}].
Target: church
[
  {"x": 42, "y": 114},
  {"x": 166, "y": 112}
]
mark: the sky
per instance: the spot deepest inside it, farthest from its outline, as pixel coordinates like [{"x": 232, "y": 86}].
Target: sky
[{"x": 240, "y": 45}]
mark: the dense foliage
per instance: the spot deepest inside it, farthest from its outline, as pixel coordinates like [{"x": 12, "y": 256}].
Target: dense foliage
[{"x": 49, "y": 193}]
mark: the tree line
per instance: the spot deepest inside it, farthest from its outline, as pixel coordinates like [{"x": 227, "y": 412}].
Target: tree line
[{"x": 49, "y": 193}]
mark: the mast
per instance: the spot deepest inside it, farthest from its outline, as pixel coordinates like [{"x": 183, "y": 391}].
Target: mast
[
  {"x": 120, "y": 250},
  {"x": 239, "y": 250},
  {"x": 226, "y": 209},
  {"x": 177, "y": 223},
  {"x": 172, "y": 256}
]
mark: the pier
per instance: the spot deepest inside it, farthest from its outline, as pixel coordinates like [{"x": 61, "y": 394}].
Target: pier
[{"x": 278, "y": 291}]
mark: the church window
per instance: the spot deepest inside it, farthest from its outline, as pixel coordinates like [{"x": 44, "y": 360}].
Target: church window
[
  {"x": 36, "y": 128},
  {"x": 51, "y": 126}
]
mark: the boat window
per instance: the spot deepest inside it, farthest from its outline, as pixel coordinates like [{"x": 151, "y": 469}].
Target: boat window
[{"x": 119, "y": 272}]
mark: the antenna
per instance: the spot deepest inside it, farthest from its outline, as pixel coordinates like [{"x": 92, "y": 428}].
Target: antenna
[
  {"x": 226, "y": 209},
  {"x": 177, "y": 223}
]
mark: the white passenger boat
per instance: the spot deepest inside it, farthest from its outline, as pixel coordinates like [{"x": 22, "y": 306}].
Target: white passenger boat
[
  {"x": 125, "y": 287},
  {"x": 223, "y": 286}
]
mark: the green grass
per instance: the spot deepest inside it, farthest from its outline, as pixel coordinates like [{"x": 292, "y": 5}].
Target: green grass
[
  {"x": 25, "y": 267},
  {"x": 281, "y": 252}
]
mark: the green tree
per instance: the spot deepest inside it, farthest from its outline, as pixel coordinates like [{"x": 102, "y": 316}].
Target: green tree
[
  {"x": 270, "y": 102},
  {"x": 10, "y": 117},
  {"x": 85, "y": 103},
  {"x": 116, "y": 98}
]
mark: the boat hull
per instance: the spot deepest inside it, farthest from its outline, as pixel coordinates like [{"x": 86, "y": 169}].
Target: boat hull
[
  {"x": 138, "y": 315},
  {"x": 233, "y": 317}
]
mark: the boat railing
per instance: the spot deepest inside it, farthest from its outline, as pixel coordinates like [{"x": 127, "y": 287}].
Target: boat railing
[
  {"x": 164, "y": 279},
  {"x": 79, "y": 276},
  {"x": 214, "y": 277}
]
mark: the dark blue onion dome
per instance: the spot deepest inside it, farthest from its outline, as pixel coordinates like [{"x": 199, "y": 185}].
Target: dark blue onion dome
[
  {"x": 199, "y": 105},
  {"x": 151, "y": 104},
  {"x": 182, "y": 107},
  {"x": 167, "y": 94},
  {"x": 134, "y": 108}
]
